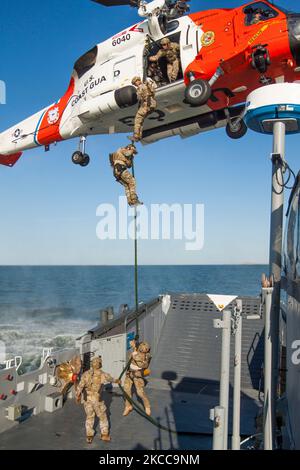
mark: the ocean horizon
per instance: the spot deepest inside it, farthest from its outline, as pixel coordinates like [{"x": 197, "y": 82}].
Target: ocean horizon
[{"x": 50, "y": 306}]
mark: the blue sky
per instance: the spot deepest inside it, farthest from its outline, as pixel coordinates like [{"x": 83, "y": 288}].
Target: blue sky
[{"x": 48, "y": 205}]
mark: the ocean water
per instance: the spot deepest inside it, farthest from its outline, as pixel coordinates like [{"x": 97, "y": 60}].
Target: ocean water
[{"x": 51, "y": 306}]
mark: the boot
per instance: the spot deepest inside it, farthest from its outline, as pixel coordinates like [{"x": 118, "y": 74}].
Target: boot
[
  {"x": 133, "y": 138},
  {"x": 89, "y": 439},
  {"x": 136, "y": 202},
  {"x": 127, "y": 410},
  {"x": 148, "y": 411},
  {"x": 105, "y": 437}
]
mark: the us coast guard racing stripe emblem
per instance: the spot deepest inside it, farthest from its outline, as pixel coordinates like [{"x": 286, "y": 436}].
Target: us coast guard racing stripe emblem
[{"x": 53, "y": 116}]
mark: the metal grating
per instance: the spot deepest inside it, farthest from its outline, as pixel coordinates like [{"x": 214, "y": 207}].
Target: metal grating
[{"x": 190, "y": 347}]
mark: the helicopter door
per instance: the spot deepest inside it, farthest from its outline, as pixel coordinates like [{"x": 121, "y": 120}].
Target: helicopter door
[{"x": 161, "y": 77}]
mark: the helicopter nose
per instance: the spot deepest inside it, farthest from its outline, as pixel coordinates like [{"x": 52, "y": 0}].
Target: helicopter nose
[{"x": 294, "y": 35}]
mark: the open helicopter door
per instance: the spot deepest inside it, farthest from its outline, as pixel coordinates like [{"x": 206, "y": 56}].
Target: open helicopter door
[{"x": 190, "y": 41}]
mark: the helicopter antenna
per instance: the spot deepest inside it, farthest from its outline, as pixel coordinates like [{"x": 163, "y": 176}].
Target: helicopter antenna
[{"x": 170, "y": 8}]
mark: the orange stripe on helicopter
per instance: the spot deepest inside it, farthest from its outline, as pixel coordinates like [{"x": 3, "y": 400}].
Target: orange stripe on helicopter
[
  {"x": 10, "y": 160},
  {"x": 49, "y": 127},
  {"x": 136, "y": 28}
]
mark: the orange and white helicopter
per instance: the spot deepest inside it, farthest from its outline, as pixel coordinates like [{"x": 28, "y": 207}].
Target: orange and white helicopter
[{"x": 224, "y": 53}]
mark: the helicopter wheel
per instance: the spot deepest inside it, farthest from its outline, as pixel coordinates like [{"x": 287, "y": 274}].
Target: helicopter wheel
[
  {"x": 86, "y": 160},
  {"x": 77, "y": 158},
  {"x": 198, "y": 92},
  {"x": 236, "y": 130}
]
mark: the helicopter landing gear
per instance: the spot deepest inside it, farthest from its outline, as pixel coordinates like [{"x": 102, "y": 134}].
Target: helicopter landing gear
[
  {"x": 80, "y": 157},
  {"x": 198, "y": 92},
  {"x": 260, "y": 61},
  {"x": 236, "y": 127}
]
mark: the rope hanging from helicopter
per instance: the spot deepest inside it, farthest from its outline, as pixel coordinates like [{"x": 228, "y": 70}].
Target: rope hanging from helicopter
[
  {"x": 136, "y": 287},
  {"x": 153, "y": 421},
  {"x": 134, "y": 403},
  {"x": 156, "y": 423}
]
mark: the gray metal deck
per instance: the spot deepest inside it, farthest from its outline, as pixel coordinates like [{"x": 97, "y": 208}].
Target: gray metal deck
[
  {"x": 190, "y": 347},
  {"x": 183, "y": 386},
  {"x": 183, "y": 411}
]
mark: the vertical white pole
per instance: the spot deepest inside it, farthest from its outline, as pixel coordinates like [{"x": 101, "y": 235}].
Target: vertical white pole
[
  {"x": 218, "y": 419},
  {"x": 273, "y": 298},
  {"x": 268, "y": 386},
  {"x": 225, "y": 367},
  {"x": 236, "y": 439}
]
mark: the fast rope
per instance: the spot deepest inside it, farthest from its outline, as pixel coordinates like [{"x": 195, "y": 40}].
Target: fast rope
[
  {"x": 136, "y": 287},
  {"x": 135, "y": 405},
  {"x": 126, "y": 396},
  {"x": 153, "y": 421}
]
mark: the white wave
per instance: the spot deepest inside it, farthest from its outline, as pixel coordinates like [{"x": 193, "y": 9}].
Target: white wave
[{"x": 29, "y": 338}]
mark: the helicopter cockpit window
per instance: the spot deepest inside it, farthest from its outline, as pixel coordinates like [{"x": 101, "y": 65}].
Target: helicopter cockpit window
[
  {"x": 258, "y": 12},
  {"x": 86, "y": 62}
]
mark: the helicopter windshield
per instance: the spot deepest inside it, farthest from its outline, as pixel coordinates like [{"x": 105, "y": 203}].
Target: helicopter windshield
[
  {"x": 258, "y": 12},
  {"x": 86, "y": 62}
]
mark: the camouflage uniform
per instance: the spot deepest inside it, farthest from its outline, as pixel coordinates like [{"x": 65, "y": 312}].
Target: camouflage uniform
[
  {"x": 147, "y": 104},
  {"x": 156, "y": 74},
  {"x": 172, "y": 55},
  {"x": 134, "y": 376},
  {"x": 92, "y": 381},
  {"x": 121, "y": 160}
]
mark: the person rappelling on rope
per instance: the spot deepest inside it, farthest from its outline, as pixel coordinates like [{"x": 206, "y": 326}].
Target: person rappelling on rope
[
  {"x": 138, "y": 369},
  {"x": 121, "y": 161},
  {"x": 147, "y": 104}
]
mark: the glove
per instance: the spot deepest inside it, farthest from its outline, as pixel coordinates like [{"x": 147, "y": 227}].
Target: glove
[{"x": 78, "y": 398}]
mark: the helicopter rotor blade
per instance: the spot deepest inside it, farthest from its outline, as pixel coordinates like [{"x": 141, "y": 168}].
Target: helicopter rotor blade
[{"x": 115, "y": 3}]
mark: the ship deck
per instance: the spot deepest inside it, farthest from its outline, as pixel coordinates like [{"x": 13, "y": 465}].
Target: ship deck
[
  {"x": 181, "y": 406},
  {"x": 183, "y": 386}
]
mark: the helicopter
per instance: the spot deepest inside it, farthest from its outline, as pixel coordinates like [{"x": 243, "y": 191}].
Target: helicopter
[{"x": 224, "y": 55}]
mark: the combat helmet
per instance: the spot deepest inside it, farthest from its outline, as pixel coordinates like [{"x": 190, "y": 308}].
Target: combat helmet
[
  {"x": 97, "y": 362},
  {"x": 135, "y": 79},
  {"x": 132, "y": 146},
  {"x": 144, "y": 347},
  {"x": 165, "y": 41}
]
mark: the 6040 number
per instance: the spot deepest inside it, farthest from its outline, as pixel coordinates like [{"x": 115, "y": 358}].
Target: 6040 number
[{"x": 121, "y": 39}]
